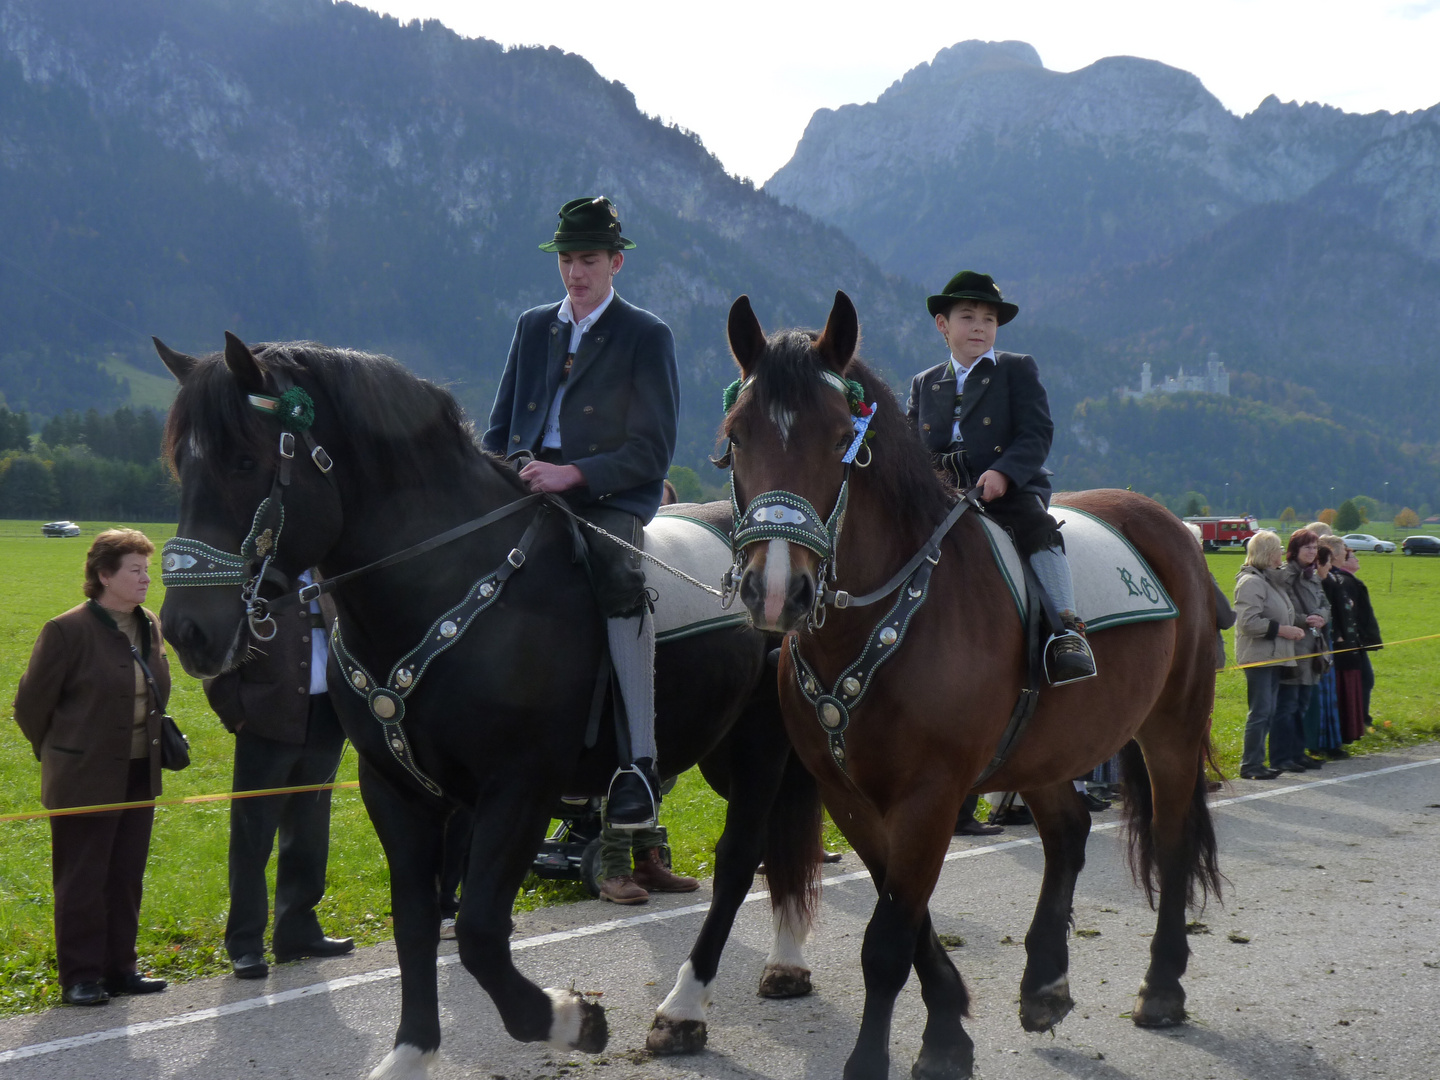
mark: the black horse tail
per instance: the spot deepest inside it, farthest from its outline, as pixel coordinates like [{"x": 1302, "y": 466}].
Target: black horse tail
[
  {"x": 1199, "y": 848},
  {"x": 792, "y": 841}
]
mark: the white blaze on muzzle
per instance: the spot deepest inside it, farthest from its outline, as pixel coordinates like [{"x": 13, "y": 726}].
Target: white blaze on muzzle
[{"x": 777, "y": 580}]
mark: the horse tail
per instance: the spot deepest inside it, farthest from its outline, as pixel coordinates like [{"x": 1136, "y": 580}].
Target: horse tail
[
  {"x": 1200, "y": 849},
  {"x": 792, "y": 841}
]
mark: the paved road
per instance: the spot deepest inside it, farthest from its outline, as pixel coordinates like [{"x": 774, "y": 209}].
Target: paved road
[{"x": 1332, "y": 882}]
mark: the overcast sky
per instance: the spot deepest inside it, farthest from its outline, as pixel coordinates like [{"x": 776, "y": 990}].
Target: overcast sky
[{"x": 748, "y": 75}]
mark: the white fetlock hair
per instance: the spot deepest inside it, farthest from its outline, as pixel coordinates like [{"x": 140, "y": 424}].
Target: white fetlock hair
[
  {"x": 565, "y": 1024},
  {"x": 405, "y": 1062}
]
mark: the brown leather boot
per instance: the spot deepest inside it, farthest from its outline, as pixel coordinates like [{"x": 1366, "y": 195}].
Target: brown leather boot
[
  {"x": 622, "y": 890},
  {"x": 652, "y": 874}
]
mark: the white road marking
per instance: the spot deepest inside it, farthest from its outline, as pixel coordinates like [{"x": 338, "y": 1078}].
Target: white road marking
[{"x": 540, "y": 940}]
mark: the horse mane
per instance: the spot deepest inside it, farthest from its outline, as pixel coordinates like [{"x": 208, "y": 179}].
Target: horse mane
[
  {"x": 788, "y": 382},
  {"x": 402, "y": 427}
]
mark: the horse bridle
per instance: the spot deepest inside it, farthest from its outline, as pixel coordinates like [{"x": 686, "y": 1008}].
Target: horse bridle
[
  {"x": 185, "y": 561},
  {"x": 784, "y": 515}
]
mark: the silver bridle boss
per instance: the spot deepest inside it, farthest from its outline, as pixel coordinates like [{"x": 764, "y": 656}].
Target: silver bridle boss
[
  {"x": 783, "y": 515},
  {"x": 186, "y": 562}
]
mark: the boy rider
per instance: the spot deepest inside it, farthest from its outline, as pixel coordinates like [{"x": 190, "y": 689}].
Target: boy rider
[{"x": 985, "y": 419}]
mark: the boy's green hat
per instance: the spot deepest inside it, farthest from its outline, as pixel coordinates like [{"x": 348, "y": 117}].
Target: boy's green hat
[
  {"x": 968, "y": 285},
  {"x": 588, "y": 224}
]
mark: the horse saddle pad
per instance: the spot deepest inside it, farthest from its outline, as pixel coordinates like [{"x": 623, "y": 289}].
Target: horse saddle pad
[
  {"x": 1113, "y": 583},
  {"x": 703, "y": 552}
]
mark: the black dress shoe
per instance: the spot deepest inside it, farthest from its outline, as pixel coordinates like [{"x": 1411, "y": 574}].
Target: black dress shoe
[
  {"x": 971, "y": 827},
  {"x": 1338, "y": 753},
  {"x": 632, "y": 803},
  {"x": 250, "y": 966},
  {"x": 1259, "y": 774},
  {"x": 1310, "y": 759},
  {"x": 1292, "y": 766},
  {"x": 134, "y": 983},
  {"x": 85, "y": 993},
  {"x": 1093, "y": 803},
  {"x": 321, "y": 947}
]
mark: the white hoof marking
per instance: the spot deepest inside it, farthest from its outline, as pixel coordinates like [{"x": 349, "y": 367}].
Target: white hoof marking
[
  {"x": 405, "y": 1062},
  {"x": 565, "y": 1024},
  {"x": 690, "y": 999}
]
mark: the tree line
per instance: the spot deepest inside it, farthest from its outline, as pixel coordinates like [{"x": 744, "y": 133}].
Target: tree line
[{"x": 86, "y": 466}]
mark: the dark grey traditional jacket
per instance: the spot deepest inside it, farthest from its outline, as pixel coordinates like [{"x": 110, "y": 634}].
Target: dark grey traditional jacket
[
  {"x": 620, "y": 413},
  {"x": 1004, "y": 418}
]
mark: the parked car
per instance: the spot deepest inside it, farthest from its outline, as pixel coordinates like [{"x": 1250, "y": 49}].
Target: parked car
[
  {"x": 1366, "y": 542},
  {"x": 1421, "y": 545},
  {"x": 60, "y": 528}
]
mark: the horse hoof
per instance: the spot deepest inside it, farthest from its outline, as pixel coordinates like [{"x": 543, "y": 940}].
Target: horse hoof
[
  {"x": 1046, "y": 1007},
  {"x": 577, "y": 1024},
  {"x": 784, "y": 981},
  {"x": 1159, "y": 1009},
  {"x": 676, "y": 1036},
  {"x": 952, "y": 1063}
]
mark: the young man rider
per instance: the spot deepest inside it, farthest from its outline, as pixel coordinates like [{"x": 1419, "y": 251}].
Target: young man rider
[
  {"x": 985, "y": 419},
  {"x": 592, "y": 391}
]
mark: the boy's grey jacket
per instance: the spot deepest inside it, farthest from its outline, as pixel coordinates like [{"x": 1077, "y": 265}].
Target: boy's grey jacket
[
  {"x": 620, "y": 413},
  {"x": 1004, "y": 419}
]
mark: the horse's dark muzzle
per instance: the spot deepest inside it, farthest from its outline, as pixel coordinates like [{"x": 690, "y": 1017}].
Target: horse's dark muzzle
[{"x": 799, "y": 599}]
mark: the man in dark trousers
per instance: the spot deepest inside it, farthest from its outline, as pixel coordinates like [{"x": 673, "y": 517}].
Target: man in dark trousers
[
  {"x": 591, "y": 390},
  {"x": 286, "y": 735},
  {"x": 985, "y": 418}
]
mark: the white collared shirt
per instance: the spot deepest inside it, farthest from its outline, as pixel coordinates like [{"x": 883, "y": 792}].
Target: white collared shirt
[
  {"x": 960, "y": 376},
  {"x": 319, "y": 646},
  {"x": 577, "y": 332}
]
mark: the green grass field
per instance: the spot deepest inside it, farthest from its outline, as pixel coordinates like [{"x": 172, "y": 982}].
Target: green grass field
[{"x": 182, "y": 922}]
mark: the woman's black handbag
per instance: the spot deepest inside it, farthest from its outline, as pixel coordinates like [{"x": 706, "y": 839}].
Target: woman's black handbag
[{"x": 174, "y": 747}]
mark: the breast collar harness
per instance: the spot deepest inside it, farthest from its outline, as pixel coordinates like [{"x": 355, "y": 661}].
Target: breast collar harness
[
  {"x": 783, "y": 515},
  {"x": 186, "y": 562}
]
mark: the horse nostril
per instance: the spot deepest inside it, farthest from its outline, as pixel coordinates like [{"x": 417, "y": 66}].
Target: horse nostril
[
  {"x": 185, "y": 635},
  {"x": 751, "y": 593},
  {"x": 802, "y": 592}
]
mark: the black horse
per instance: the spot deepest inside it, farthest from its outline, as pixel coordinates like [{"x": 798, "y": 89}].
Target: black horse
[{"x": 497, "y": 722}]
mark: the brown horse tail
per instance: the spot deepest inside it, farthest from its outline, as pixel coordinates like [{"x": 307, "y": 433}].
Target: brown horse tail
[
  {"x": 792, "y": 841},
  {"x": 1202, "y": 867}
]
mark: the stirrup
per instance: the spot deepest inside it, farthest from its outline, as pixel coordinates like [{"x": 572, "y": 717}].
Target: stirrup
[
  {"x": 1067, "y": 633},
  {"x": 654, "y": 804}
]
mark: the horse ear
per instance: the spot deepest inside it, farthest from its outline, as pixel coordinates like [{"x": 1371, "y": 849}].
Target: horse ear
[
  {"x": 747, "y": 339},
  {"x": 180, "y": 365},
  {"x": 841, "y": 337},
  {"x": 243, "y": 365}
]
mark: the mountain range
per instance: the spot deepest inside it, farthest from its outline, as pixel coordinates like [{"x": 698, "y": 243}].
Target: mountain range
[
  {"x": 308, "y": 169},
  {"x": 302, "y": 169},
  {"x": 1125, "y": 206}
]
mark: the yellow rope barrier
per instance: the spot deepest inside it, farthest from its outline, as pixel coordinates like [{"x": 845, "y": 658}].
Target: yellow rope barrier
[
  {"x": 229, "y": 796},
  {"x": 1329, "y": 652},
  {"x": 223, "y": 796}
]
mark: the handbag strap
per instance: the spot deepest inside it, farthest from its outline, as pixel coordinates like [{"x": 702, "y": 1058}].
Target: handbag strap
[{"x": 148, "y": 677}]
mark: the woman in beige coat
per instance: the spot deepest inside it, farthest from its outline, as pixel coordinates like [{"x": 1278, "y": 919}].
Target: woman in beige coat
[
  {"x": 93, "y": 719},
  {"x": 1265, "y": 635}
]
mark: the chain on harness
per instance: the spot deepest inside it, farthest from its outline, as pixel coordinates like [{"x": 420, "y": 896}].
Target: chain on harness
[{"x": 187, "y": 562}]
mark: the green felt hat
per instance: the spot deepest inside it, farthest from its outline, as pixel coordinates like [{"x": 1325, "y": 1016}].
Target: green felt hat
[
  {"x": 968, "y": 285},
  {"x": 588, "y": 224}
]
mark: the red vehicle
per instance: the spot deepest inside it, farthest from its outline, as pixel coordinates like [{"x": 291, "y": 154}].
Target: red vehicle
[{"x": 1218, "y": 532}]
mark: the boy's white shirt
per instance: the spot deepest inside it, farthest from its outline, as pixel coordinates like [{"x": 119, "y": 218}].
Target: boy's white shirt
[{"x": 960, "y": 376}]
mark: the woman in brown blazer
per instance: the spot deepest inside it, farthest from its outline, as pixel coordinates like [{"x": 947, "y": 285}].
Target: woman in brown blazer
[{"x": 94, "y": 722}]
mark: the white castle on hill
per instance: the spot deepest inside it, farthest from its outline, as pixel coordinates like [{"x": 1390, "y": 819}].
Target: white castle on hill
[{"x": 1216, "y": 380}]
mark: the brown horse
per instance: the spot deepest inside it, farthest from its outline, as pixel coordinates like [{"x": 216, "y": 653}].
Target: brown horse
[{"x": 933, "y": 714}]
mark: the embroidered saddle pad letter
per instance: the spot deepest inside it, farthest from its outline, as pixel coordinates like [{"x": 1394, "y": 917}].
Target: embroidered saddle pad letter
[{"x": 1114, "y": 585}]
